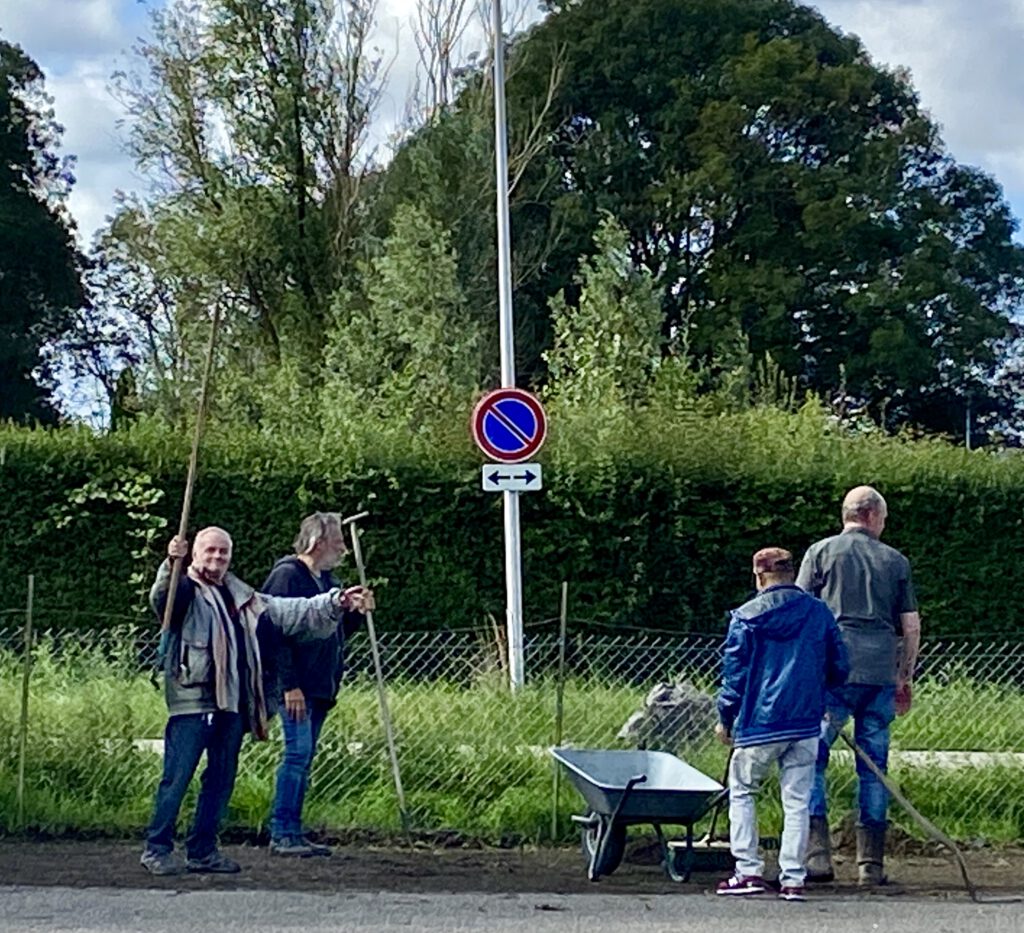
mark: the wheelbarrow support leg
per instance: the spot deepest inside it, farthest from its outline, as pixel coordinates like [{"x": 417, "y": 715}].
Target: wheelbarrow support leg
[{"x": 669, "y": 855}]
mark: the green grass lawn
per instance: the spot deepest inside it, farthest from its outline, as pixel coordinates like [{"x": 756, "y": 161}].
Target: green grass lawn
[{"x": 473, "y": 758}]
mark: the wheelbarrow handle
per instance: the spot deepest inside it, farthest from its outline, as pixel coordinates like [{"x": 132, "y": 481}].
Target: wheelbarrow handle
[
  {"x": 626, "y": 791},
  {"x": 605, "y": 831}
]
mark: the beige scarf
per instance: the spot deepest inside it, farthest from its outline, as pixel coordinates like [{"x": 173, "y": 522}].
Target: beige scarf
[{"x": 224, "y": 646}]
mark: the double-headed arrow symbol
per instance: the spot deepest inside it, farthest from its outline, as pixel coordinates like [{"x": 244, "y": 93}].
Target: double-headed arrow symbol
[
  {"x": 522, "y": 477},
  {"x": 526, "y": 476}
]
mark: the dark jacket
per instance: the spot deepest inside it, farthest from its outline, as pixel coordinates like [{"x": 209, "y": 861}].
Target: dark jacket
[
  {"x": 782, "y": 653},
  {"x": 315, "y": 667}
]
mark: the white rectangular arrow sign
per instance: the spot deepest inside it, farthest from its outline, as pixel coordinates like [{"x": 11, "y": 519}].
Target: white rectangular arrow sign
[{"x": 511, "y": 477}]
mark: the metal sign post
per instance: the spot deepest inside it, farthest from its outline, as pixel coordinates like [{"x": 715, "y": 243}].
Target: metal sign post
[
  {"x": 513, "y": 571},
  {"x": 509, "y": 425}
]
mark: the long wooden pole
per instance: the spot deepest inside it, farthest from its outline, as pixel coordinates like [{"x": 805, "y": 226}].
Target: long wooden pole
[
  {"x": 23, "y": 725},
  {"x": 926, "y": 824},
  {"x": 559, "y": 705},
  {"x": 193, "y": 461}
]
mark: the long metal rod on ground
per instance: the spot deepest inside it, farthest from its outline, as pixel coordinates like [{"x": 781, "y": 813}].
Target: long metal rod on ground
[
  {"x": 193, "y": 460},
  {"x": 559, "y": 704},
  {"x": 927, "y": 825},
  {"x": 385, "y": 715},
  {"x": 23, "y": 725}
]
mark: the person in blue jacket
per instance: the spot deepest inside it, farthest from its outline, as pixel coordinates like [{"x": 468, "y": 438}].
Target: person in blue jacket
[{"x": 782, "y": 653}]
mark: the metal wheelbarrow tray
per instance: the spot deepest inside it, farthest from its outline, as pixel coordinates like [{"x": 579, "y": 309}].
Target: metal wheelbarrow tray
[{"x": 625, "y": 788}]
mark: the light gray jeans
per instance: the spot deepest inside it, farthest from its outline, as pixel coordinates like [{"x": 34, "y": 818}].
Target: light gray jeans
[{"x": 747, "y": 771}]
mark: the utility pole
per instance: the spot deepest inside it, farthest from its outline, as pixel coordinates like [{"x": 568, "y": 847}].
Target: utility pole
[{"x": 513, "y": 544}]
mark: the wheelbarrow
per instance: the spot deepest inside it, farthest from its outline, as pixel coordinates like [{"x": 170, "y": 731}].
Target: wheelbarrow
[{"x": 626, "y": 788}]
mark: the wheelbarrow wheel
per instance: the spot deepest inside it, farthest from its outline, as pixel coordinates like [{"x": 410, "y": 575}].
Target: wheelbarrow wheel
[{"x": 610, "y": 857}]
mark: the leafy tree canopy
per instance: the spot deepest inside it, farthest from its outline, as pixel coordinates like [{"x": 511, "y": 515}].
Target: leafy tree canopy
[
  {"x": 40, "y": 286},
  {"x": 774, "y": 182}
]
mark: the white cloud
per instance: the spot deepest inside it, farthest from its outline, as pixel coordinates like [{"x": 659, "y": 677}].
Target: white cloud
[
  {"x": 45, "y": 28},
  {"x": 89, "y": 114},
  {"x": 395, "y": 37},
  {"x": 964, "y": 57},
  {"x": 79, "y": 44}
]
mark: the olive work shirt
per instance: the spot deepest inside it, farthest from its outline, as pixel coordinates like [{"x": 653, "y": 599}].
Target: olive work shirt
[{"x": 867, "y": 585}]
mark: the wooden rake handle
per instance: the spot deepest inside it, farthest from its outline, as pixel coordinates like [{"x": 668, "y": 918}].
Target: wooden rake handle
[{"x": 193, "y": 461}]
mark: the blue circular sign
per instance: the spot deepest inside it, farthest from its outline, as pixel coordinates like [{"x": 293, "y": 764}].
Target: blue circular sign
[{"x": 509, "y": 425}]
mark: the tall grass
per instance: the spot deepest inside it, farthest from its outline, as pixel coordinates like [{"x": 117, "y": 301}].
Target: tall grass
[{"x": 474, "y": 760}]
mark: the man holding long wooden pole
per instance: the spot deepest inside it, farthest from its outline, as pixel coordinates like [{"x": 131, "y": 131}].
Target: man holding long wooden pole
[{"x": 214, "y": 687}]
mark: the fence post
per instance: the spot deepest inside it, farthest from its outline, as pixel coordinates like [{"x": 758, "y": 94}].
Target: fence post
[
  {"x": 559, "y": 696},
  {"x": 23, "y": 728}
]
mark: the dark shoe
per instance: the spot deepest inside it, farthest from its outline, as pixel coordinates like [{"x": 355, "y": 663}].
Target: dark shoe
[
  {"x": 819, "y": 852},
  {"x": 160, "y": 863},
  {"x": 792, "y": 893},
  {"x": 317, "y": 848},
  {"x": 214, "y": 864},
  {"x": 290, "y": 847},
  {"x": 742, "y": 885},
  {"x": 870, "y": 856}
]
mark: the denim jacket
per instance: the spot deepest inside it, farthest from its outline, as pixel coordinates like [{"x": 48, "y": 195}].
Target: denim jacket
[{"x": 782, "y": 652}]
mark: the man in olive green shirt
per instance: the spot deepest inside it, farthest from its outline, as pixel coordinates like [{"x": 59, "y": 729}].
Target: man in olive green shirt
[{"x": 868, "y": 587}]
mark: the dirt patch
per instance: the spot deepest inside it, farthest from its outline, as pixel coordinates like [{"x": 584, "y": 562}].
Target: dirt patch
[{"x": 106, "y": 863}]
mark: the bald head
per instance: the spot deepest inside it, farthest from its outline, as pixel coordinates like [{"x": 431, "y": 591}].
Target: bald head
[{"x": 864, "y": 506}]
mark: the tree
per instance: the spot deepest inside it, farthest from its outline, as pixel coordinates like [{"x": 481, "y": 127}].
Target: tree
[
  {"x": 40, "y": 285},
  {"x": 608, "y": 345},
  {"x": 129, "y": 332},
  {"x": 250, "y": 118},
  {"x": 776, "y": 183},
  {"x": 407, "y": 348},
  {"x": 446, "y": 167}
]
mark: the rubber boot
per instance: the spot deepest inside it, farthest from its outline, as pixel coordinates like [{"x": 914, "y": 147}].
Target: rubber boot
[
  {"x": 819, "y": 852},
  {"x": 870, "y": 855}
]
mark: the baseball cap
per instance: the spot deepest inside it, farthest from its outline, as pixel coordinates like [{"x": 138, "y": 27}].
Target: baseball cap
[{"x": 773, "y": 560}]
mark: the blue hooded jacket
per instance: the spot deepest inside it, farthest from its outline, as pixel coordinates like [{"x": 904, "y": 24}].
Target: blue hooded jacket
[{"x": 782, "y": 653}]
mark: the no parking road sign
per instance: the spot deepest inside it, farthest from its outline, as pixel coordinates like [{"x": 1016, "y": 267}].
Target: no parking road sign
[{"x": 509, "y": 425}]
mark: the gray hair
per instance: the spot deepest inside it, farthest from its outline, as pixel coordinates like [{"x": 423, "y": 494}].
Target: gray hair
[
  {"x": 211, "y": 530},
  {"x": 861, "y": 502},
  {"x": 314, "y": 529}
]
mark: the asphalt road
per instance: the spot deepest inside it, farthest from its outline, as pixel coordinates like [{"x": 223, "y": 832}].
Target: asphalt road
[{"x": 26, "y": 909}]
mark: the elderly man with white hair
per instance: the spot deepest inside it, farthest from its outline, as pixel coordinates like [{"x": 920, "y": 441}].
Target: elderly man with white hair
[
  {"x": 215, "y": 688},
  {"x": 868, "y": 587}
]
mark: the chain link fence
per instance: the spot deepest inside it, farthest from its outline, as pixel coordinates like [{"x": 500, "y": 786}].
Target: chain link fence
[{"x": 473, "y": 758}]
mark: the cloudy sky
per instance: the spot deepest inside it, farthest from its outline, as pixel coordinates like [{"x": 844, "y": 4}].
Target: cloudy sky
[{"x": 964, "y": 56}]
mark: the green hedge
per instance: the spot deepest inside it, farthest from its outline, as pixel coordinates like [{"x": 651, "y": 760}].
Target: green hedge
[{"x": 652, "y": 519}]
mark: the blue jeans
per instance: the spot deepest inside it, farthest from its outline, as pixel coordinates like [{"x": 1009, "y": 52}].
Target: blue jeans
[
  {"x": 873, "y": 708},
  {"x": 300, "y": 739},
  {"x": 186, "y": 737}
]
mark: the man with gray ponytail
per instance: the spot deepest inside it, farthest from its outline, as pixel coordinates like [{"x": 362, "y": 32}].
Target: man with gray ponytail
[{"x": 310, "y": 673}]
